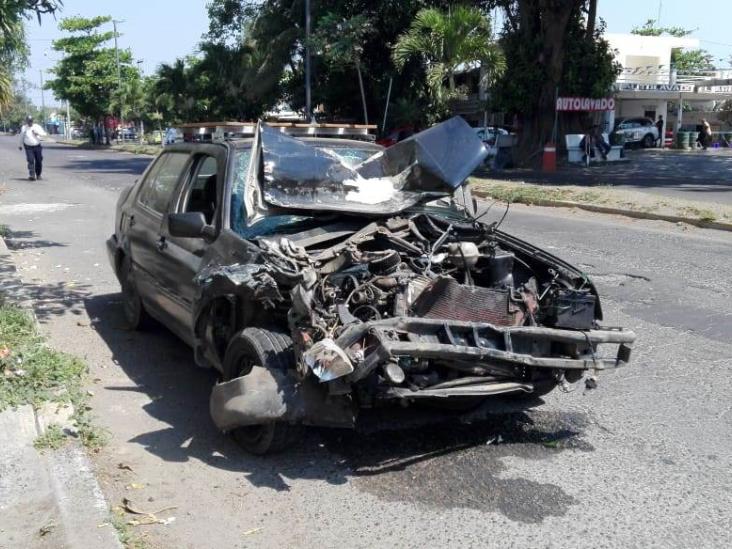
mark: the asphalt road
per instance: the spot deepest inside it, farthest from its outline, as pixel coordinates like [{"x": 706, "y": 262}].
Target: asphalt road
[
  {"x": 704, "y": 176},
  {"x": 644, "y": 460}
]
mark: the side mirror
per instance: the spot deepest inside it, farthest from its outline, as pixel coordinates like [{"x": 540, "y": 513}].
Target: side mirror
[{"x": 189, "y": 225}]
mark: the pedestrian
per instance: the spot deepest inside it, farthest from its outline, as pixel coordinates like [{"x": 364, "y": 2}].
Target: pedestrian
[
  {"x": 659, "y": 127},
  {"x": 705, "y": 135},
  {"x": 595, "y": 140},
  {"x": 30, "y": 139}
]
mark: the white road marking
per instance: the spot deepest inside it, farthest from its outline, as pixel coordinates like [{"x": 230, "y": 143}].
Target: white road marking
[{"x": 11, "y": 209}]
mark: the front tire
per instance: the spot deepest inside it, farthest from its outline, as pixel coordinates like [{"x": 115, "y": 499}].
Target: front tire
[
  {"x": 648, "y": 141},
  {"x": 270, "y": 349}
]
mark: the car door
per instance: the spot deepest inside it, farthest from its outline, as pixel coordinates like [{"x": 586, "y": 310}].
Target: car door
[
  {"x": 200, "y": 192},
  {"x": 144, "y": 231}
]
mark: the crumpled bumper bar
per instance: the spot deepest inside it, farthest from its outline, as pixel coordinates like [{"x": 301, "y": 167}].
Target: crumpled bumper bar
[{"x": 480, "y": 342}]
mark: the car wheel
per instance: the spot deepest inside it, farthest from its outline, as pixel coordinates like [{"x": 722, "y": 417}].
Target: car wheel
[
  {"x": 270, "y": 349},
  {"x": 649, "y": 141},
  {"x": 136, "y": 316}
]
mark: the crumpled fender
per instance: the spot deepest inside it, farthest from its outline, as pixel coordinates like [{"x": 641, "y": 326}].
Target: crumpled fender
[
  {"x": 261, "y": 396},
  {"x": 266, "y": 396}
]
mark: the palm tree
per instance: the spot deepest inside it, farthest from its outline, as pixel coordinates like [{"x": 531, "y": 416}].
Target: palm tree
[{"x": 446, "y": 40}]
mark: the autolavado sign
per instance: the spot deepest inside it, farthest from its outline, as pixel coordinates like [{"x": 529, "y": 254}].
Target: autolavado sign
[{"x": 586, "y": 104}]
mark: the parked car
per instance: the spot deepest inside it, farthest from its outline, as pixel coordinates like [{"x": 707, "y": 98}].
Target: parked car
[
  {"x": 127, "y": 134},
  {"x": 637, "y": 131},
  {"x": 325, "y": 276},
  {"x": 488, "y": 135}
]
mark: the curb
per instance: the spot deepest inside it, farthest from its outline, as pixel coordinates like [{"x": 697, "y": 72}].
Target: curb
[
  {"x": 86, "y": 147},
  {"x": 64, "y": 478},
  {"x": 702, "y": 224}
]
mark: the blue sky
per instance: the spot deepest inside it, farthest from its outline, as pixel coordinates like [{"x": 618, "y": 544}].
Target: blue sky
[{"x": 158, "y": 31}]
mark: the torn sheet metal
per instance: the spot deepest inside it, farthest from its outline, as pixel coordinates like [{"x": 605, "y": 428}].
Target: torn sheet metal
[
  {"x": 291, "y": 173},
  {"x": 255, "y": 280}
]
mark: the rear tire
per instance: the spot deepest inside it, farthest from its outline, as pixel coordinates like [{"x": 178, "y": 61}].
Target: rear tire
[
  {"x": 136, "y": 316},
  {"x": 273, "y": 350}
]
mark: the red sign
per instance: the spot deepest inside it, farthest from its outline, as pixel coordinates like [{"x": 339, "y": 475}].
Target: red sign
[{"x": 585, "y": 104}]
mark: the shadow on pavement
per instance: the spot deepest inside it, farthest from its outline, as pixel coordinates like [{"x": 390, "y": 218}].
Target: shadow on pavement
[
  {"x": 452, "y": 462},
  {"x": 125, "y": 164}
]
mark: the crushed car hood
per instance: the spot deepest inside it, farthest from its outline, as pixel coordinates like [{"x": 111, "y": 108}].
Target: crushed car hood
[{"x": 289, "y": 173}]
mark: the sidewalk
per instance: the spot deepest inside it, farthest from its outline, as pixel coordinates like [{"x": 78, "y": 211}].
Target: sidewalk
[{"x": 48, "y": 498}]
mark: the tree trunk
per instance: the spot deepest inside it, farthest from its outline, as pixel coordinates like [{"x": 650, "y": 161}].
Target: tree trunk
[
  {"x": 363, "y": 92},
  {"x": 547, "y": 19}
]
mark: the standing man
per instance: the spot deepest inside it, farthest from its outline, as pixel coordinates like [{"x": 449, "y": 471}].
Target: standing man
[
  {"x": 30, "y": 138},
  {"x": 659, "y": 126}
]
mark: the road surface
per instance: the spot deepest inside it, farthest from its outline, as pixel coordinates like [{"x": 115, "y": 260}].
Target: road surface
[{"x": 644, "y": 460}]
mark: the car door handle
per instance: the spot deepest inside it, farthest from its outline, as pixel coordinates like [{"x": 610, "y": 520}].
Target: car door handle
[
  {"x": 162, "y": 244},
  {"x": 131, "y": 221}
]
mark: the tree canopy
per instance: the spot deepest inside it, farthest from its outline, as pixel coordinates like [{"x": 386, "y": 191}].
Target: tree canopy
[
  {"x": 13, "y": 47},
  {"x": 86, "y": 76},
  {"x": 446, "y": 41},
  {"x": 690, "y": 62}
]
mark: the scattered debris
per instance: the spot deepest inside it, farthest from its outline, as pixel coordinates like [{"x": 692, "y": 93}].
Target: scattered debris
[
  {"x": 45, "y": 530},
  {"x": 124, "y": 466},
  {"x": 252, "y": 531},
  {"x": 147, "y": 517}
]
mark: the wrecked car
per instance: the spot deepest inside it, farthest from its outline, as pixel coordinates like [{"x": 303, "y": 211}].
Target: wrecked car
[{"x": 322, "y": 276}]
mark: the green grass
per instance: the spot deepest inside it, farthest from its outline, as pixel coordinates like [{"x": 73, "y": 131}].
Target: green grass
[
  {"x": 53, "y": 439},
  {"x": 4, "y": 231},
  {"x": 124, "y": 533},
  {"x": 32, "y": 373}
]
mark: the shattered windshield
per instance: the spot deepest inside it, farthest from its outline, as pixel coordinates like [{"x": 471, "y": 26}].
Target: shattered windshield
[
  {"x": 350, "y": 154},
  {"x": 294, "y": 174}
]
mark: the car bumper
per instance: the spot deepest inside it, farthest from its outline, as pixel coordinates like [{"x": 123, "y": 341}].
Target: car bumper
[{"x": 474, "y": 342}]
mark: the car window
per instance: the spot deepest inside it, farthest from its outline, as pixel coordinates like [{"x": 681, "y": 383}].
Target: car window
[
  {"x": 161, "y": 181},
  {"x": 201, "y": 195}
]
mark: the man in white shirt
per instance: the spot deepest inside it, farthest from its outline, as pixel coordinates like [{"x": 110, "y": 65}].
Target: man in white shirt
[{"x": 30, "y": 139}]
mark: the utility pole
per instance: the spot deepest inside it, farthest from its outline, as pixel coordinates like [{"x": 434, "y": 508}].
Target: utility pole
[
  {"x": 308, "y": 97},
  {"x": 43, "y": 100},
  {"x": 119, "y": 70}
]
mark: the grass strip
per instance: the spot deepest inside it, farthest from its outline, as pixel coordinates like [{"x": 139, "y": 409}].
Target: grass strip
[{"x": 32, "y": 373}]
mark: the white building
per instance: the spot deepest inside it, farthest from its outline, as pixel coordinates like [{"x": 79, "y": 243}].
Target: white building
[{"x": 649, "y": 85}]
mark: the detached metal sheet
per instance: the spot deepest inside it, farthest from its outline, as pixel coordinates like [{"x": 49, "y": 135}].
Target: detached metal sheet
[{"x": 435, "y": 162}]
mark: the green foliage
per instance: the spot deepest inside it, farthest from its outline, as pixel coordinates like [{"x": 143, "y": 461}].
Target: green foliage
[
  {"x": 279, "y": 26},
  {"x": 87, "y": 75},
  {"x": 33, "y": 373},
  {"x": 591, "y": 69},
  {"x": 691, "y": 62},
  {"x": 53, "y": 439},
  {"x": 13, "y": 47},
  {"x": 340, "y": 42},
  {"x": 444, "y": 41},
  {"x": 650, "y": 29}
]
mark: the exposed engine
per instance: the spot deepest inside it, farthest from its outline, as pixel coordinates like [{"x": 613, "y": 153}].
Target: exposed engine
[{"x": 422, "y": 267}]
